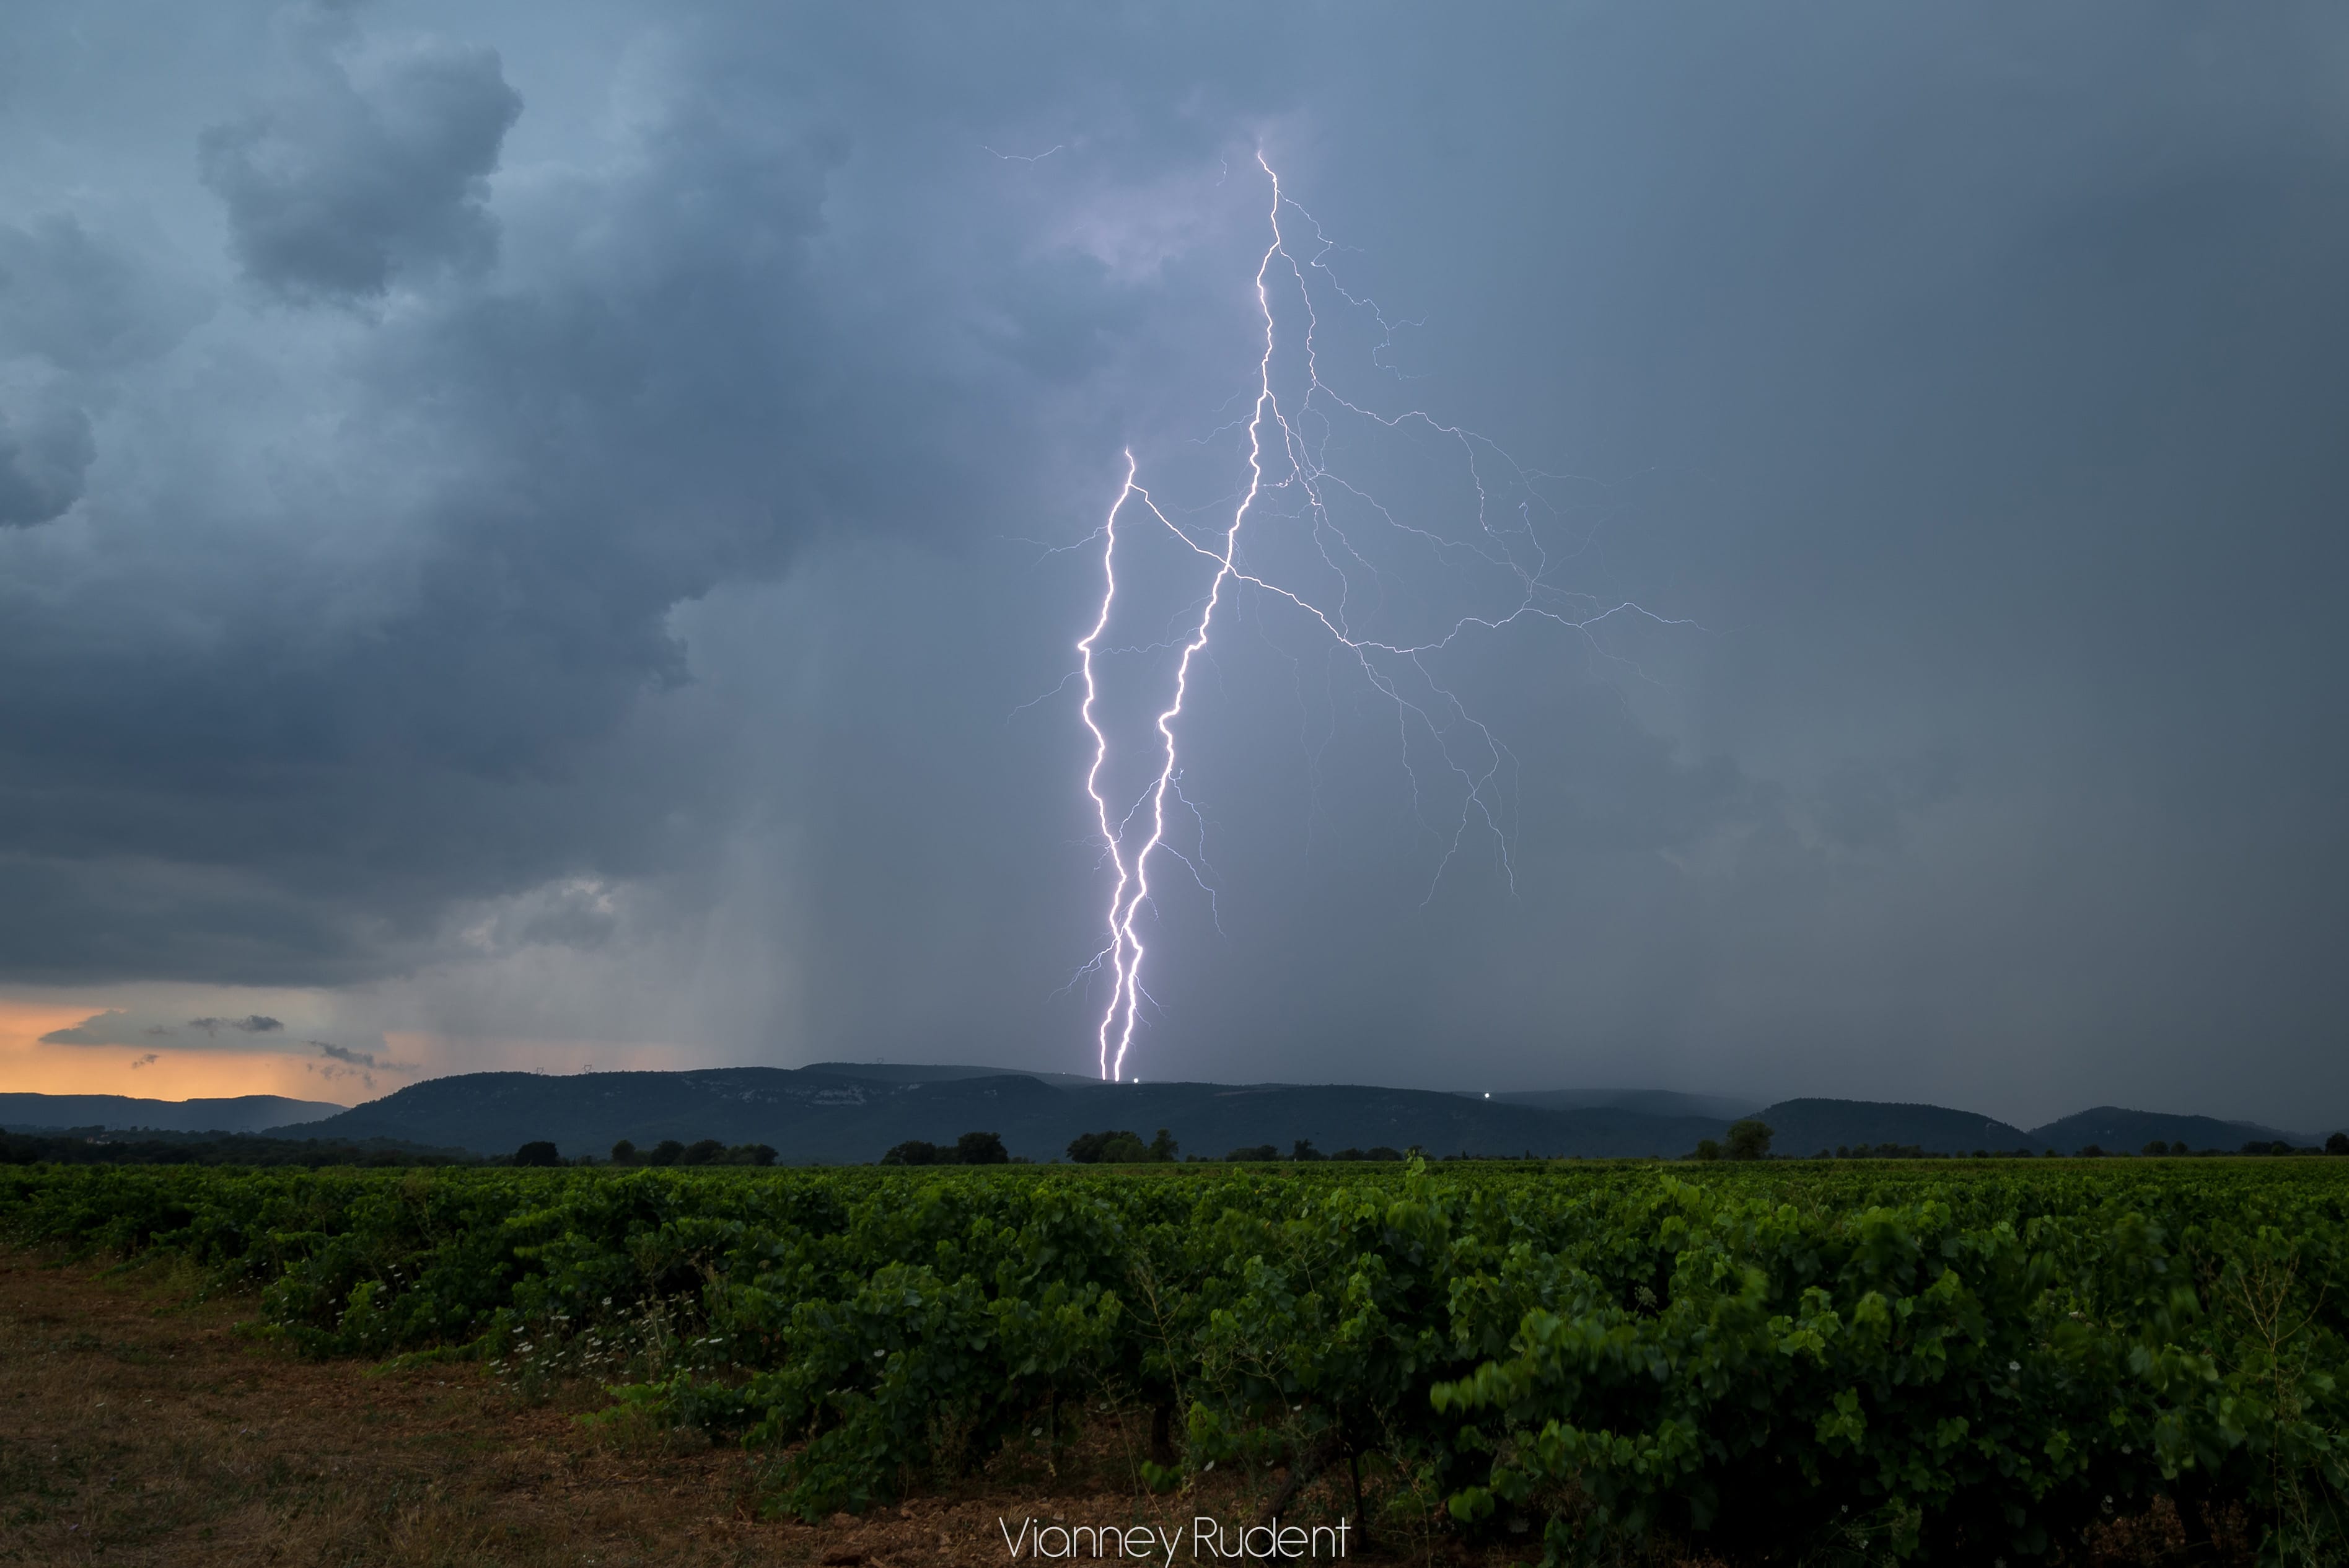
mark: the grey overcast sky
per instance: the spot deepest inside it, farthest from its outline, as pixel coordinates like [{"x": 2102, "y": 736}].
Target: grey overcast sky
[{"x": 538, "y": 535}]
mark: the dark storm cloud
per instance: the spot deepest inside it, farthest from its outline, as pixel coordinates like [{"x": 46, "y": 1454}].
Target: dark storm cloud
[
  {"x": 82, "y": 302},
  {"x": 42, "y": 455},
  {"x": 1975, "y": 387},
  {"x": 446, "y": 538},
  {"x": 366, "y": 1060},
  {"x": 73, "y": 307},
  {"x": 1864, "y": 804},
  {"x": 365, "y": 168},
  {"x": 548, "y": 491}
]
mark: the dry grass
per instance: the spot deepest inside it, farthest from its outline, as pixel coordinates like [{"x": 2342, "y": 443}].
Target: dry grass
[{"x": 138, "y": 1428}]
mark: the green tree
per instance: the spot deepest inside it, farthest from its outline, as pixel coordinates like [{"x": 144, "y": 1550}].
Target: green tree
[
  {"x": 983, "y": 1149},
  {"x": 1748, "y": 1139},
  {"x": 624, "y": 1152},
  {"x": 537, "y": 1153},
  {"x": 1116, "y": 1148}
]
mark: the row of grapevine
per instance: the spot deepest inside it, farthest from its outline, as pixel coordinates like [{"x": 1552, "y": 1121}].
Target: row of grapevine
[{"x": 1952, "y": 1364}]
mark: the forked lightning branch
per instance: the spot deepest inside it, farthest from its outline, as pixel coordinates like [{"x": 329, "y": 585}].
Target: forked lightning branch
[{"x": 1288, "y": 452}]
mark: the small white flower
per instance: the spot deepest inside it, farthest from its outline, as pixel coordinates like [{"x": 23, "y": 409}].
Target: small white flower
[
  {"x": 1205, "y": 1468},
  {"x": 2014, "y": 1366}
]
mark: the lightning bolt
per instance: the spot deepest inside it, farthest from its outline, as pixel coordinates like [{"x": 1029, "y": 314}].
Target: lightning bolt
[{"x": 1466, "y": 746}]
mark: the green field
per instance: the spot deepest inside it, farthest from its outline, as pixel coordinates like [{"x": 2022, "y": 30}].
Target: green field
[{"x": 1786, "y": 1361}]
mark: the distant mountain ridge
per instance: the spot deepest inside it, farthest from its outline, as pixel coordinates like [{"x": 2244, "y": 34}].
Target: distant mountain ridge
[
  {"x": 841, "y": 1112},
  {"x": 827, "y": 1115},
  {"x": 1807, "y": 1126},
  {"x": 2115, "y": 1130},
  {"x": 239, "y": 1113}
]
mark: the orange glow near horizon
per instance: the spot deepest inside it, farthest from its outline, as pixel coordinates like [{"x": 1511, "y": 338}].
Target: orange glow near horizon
[
  {"x": 209, "y": 1072},
  {"x": 28, "y": 1067}
]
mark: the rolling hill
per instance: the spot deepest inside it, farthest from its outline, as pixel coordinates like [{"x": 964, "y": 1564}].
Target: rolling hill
[
  {"x": 837, "y": 1114},
  {"x": 2119, "y": 1131},
  {"x": 243, "y": 1113},
  {"x": 841, "y": 1112},
  {"x": 1807, "y": 1126}
]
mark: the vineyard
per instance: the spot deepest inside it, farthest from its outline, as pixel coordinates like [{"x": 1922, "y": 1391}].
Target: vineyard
[{"x": 1786, "y": 1361}]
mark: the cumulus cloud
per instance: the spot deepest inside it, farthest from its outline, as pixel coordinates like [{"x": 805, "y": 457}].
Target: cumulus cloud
[
  {"x": 343, "y": 1062},
  {"x": 128, "y": 1026},
  {"x": 357, "y": 1059},
  {"x": 373, "y": 166},
  {"x": 445, "y": 611},
  {"x": 86, "y": 302},
  {"x": 97, "y": 1029},
  {"x": 42, "y": 455},
  {"x": 253, "y": 1024}
]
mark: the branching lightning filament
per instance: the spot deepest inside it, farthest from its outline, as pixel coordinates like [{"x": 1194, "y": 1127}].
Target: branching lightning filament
[{"x": 1286, "y": 451}]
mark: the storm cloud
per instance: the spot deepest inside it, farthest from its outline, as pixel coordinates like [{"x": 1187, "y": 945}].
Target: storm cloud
[
  {"x": 376, "y": 162},
  {"x": 42, "y": 457},
  {"x": 538, "y": 523}
]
